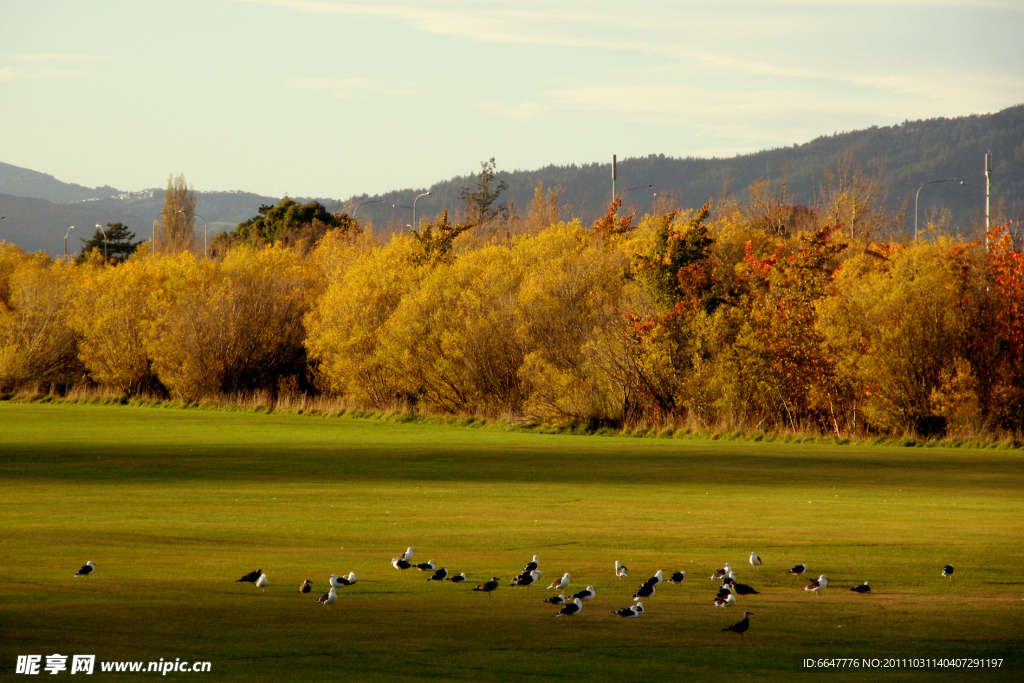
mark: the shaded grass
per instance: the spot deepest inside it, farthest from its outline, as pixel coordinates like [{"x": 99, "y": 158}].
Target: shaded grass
[{"x": 175, "y": 505}]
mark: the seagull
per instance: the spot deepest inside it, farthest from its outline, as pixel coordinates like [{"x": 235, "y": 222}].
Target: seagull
[
  {"x": 251, "y": 577},
  {"x": 407, "y": 555},
  {"x": 425, "y": 566},
  {"x": 645, "y": 590},
  {"x": 678, "y": 578},
  {"x": 798, "y": 570},
  {"x": 458, "y": 578},
  {"x": 632, "y": 612},
  {"x": 817, "y": 585},
  {"x": 721, "y": 573},
  {"x": 328, "y": 598},
  {"x": 866, "y": 588},
  {"x": 262, "y": 581},
  {"x": 530, "y": 566},
  {"x": 343, "y": 581},
  {"x": 555, "y": 600},
  {"x": 740, "y": 626},
  {"x": 723, "y": 591},
  {"x": 440, "y": 575},
  {"x": 488, "y": 586},
  {"x": 654, "y": 580},
  {"x": 620, "y": 569},
  {"x": 755, "y": 560},
  {"x": 947, "y": 571},
  {"x": 586, "y": 595},
  {"x": 89, "y": 566},
  {"x": 526, "y": 579},
  {"x": 306, "y": 587},
  {"x": 728, "y": 601},
  {"x": 559, "y": 584},
  {"x": 572, "y": 608},
  {"x": 741, "y": 588},
  {"x": 399, "y": 563}
]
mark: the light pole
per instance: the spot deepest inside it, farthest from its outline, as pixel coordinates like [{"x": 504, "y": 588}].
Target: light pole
[
  {"x": 66, "y": 240},
  {"x": 638, "y": 187},
  {"x": 205, "y": 228},
  {"x": 918, "y": 194},
  {"x": 102, "y": 232},
  {"x": 414, "y": 207},
  {"x": 374, "y": 201}
]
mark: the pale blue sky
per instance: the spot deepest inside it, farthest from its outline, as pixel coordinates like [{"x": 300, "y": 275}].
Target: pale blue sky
[{"x": 335, "y": 98}]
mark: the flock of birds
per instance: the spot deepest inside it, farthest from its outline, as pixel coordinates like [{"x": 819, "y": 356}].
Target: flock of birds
[{"x": 572, "y": 605}]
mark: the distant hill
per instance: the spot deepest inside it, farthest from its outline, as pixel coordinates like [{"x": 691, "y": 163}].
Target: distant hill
[{"x": 39, "y": 208}]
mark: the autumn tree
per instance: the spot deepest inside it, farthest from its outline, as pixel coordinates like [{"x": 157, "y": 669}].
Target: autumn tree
[
  {"x": 481, "y": 199},
  {"x": 175, "y": 230},
  {"x": 116, "y": 246}
]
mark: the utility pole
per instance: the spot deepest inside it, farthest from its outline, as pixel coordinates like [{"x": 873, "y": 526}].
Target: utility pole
[{"x": 988, "y": 196}]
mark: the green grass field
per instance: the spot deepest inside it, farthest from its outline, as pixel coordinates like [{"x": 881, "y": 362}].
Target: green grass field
[{"x": 174, "y": 505}]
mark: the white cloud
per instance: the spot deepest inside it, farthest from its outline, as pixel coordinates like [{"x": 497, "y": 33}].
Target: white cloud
[
  {"x": 8, "y": 73},
  {"x": 349, "y": 87},
  {"x": 58, "y": 57}
]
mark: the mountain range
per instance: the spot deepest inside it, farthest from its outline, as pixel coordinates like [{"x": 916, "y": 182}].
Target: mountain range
[{"x": 37, "y": 208}]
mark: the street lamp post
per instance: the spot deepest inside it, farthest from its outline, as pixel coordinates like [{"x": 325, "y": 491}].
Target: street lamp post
[
  {"x": 374, "y": 201},
  {"x": 918, "y": 194},
  {"x": 414, "y": 207},
  {"x": 205, "y": 228},
  {"x": 66, "y": 240},
  {"x": 103, "y": 232},
  {"x": 638, "y": 187}
]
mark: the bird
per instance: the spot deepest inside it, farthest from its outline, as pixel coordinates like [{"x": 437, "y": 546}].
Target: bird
[
  {"x": 740, "y": 588},
  {"x": 645, "y": 590},
  {"x": 740, "y": 626},
  {"x": 798, "y": 570},
  {"x": 654, "y": 580},
  {"x": 425, "y": 566},
  {"x": 328, "y": 598},
  {"x": 306, "y": 586},
  {"x": 723, "y": 591},
  {"x": 89, "y": 566},
  {"x": 488, "y": 586},
  {"x": 440, "y": 575},
  {"x": 727, "y": 601},
  {"x": 343, "y": 581},
  {"x": 678, "y": 578},
  {"x": 572, "y": 608},
  {"x": 407, "y": 555},
  {"x": 399, "y": 563},
  {"x": 559, "y": 584},
  {"x": 555, "y": 600},
  {"x": 262, "y": 581},
  {"x": 755, "y": 560},
  {"x": 526, "y": 579},
  {"x": 586, "y": 595},
  {"x": 632, "y": 611},
  {"x": 817, "y": 585},
  {"x": 620, "y": 569},
  {"x": 251, "y": 577},
  {"x": 721, "y": 573},
  {"x": 865, "y": 588},
  {"x": 947, "y": 571},
  {"x": 531, "y": 565},
  {"x": 458, "y": 578}
]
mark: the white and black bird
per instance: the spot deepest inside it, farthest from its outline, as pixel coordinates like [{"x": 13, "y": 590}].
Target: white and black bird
[
  {"x": 527, "y": 579},
  {"x": 251, "y": 577},
  {"x": 740, "y": 588},
  {"x": 399, "y": 563},
  {"x": 530, "y": 566},
  {"x": 306, "y": 586},
  {"x": 407, "y": 555},
  {"x": 343, "y": 581},
  {"x": 654, "y": 580},
  {"x": 721, "y": 573},
  {"x": 425, "y": 566},
  {"x": 620, "y": 569},
  {"x": 863, "y": 588},
  {"x": 631, "y": 612},
  {"x": 559, "y": 584},
  {"x": 755, "y": 561},
  {"x": 262, "y": 581},
  {"x": 741, "y": 626},
  {"x": 440, "y": 575},
  {"x": 947, "y": 571},
  {"x": 555, "y": 600},
  {"x": 89, "y": 566},
  {"x": 328, "y": 598},
  {"x": 645, "y": 590},
  {"x": 572, "y": 608},
  {"x": 488, "y": 586},
  {"x": 723, "y": 591},
  {"x": 677, "y": 578},
  {"x": 727, "y": 601},
  {"x": 817, "y": 585},
  {"x": 458, "y": 578},
  {"x": 586, "y": 595},
  {"x": 798, "y": 570}
]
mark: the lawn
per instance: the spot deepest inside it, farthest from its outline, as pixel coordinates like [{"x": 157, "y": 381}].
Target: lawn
[{"x": 174, "y": 505}]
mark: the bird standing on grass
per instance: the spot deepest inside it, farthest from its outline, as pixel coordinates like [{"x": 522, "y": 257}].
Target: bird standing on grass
[
  {"x": 440, "y": 575},
  {"x": 555, "y": 600},
  {"x": 425, "y": 566},
  {"x": 620, "y": 569},
  {"x": 654, "y": 580},
  {"x": 678, "y": 578},
  {"x": 741, "y": 626},
  {"x": 306, "y": 586},
  {"x": 865, "y": 588},
  {"x": 458, "y": 578},
  {"x": 817, "y": 585},
  {"x": 89, "y": 566},
  {"x": 740, "y": 588},
  {"x": 947, "y": 571},
  {"x": 407, "y": 555},
  {"x": 631, "y": 612},
  {"x": 527, "y": 579},
  {"x": 399, "y": 563},
  {"x": 343, "y": 581},
  {"x": 645, "y": 590},
  {"x": 251, "y": 577},
  {"x": 798, "y": 570},
  {"x": 488, "y": 586},
  {"x": 328, "y": 598},
  {"x": 721, "y": 573},
  {"x": 755, "y": 560},
  {"x": 572, "y": 608},
  {"x": 586, "y": 595},
  {"x": 262, "y": 582},
  {"x": 559, "y": 584},
  {"x": 530, "y": 566}
]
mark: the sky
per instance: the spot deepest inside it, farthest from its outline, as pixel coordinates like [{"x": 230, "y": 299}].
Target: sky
[{"x": 331, "y": 98}]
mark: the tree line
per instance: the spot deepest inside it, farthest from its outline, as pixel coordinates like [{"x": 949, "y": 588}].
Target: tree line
[{"x": 756, "y": 316}]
